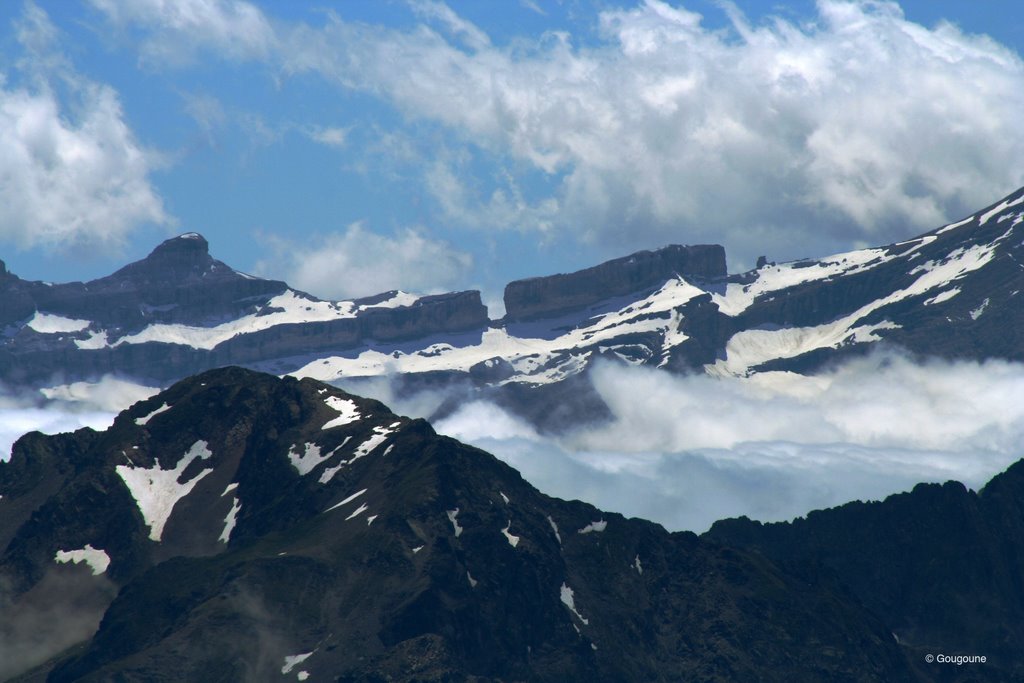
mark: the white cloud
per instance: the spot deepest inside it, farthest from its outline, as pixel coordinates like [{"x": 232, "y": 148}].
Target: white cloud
[
  {"x": 859, "y": 126},
  {"x": 177, "y": 31},
  {"x": 65, "y": 408},
  {"x": 358, "y": 262},
  {"x": 329, "y": 136},
  {"x": 461, "y": 29},
  {"x": 685, "y": 451},
  {"x": 73, "y": 171}
]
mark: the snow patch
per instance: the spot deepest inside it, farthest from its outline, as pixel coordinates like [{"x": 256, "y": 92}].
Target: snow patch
[
  {"x": 976, "y": 313},
  {"x": 417, "y": 549},
  {"x": 230, "y": 520},
  {"x": 48, "y": 323},
  {"x": 380, "y": 435},
  {"x": 453, "y": 518},
  {"x": 943, "y": 296},
  {"x": 97, "y": 559},
  {"x": 369, "y": 520},
  {"x": 156, "y": 490},
  {"x": 472, "y": 582},
  {"x": 348, "y": 411},
  {"x": 359, "y": 510},
  {"x": 347, "y": 500},
  {"x": 292, "y": 661},
  {"x": 284, "y": 309},
  {"x": 567, "y": 599},
  {"x": 97, "y": 339},
  {"x": 512, "y": 540},
  {"x": 594, "y": 526},
  {"x": 999, "y": 208},
  {"x": 307, "y": 461},
  {"x": 637, "y": 566},
  {"x": 554, "y": 527},
  {"x": 144, "y": 420},
  {"x": 503, "y": 497}
]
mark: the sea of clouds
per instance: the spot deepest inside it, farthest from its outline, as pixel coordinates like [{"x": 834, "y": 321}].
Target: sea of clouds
[{"x": 685, "y": 451}]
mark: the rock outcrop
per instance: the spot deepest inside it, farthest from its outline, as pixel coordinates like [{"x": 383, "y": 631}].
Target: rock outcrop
[
  {"x": 243, "y": 527},
  {"x": 540, "y": 297}
]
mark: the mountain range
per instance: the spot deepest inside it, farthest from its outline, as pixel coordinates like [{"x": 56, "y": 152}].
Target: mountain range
[
  {"x": 255, "y": 522},
  {"x": 244, "y": 527},
  {"x": 953, "y": 293}
]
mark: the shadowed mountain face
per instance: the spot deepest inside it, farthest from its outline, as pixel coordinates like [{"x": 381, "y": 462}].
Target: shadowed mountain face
[
  {"x": 241, "y": 527},
  {"x": 953, "y": 293}
]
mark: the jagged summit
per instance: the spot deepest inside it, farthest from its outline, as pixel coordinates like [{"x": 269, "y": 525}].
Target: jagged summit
[{"x": 241, "y": 527}]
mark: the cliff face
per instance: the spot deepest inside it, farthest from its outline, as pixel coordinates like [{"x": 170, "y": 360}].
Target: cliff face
[
  {"x": 159, "y": 319},
  {"x": 541, "y": 297}
]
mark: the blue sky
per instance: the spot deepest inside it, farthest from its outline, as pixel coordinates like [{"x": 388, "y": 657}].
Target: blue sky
[{"x": 354, "y": 147}]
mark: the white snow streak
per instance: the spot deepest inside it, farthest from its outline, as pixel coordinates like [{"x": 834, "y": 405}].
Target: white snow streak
[
  {"x": 347, "y": 500},
  {"x": 567, "y": 599},
  {"x": 453, "y": 518},
  {"x": 144, "y": 420},
  {"x": 230, "y": 520}
]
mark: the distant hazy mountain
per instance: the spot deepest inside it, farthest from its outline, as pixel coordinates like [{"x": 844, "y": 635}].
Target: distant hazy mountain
[
  {"x": 954, "y": 293},
  {"x": 241, "y": 527}
]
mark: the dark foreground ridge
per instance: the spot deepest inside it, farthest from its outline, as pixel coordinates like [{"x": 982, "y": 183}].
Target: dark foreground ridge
[{"x": 241, "y": 527}]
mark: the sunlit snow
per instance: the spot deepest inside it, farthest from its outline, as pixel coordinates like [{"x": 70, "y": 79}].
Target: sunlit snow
[
  {"x": 49, "y": 323},
  {"x": 144, "y": 420},
  {"x": 97, "y": 559},
  {"x": 512, "y": 540},
  {"x": 347, "y": 411},
  {"x": 157, "y": 490},
  {"x": 566, "y": 596}
]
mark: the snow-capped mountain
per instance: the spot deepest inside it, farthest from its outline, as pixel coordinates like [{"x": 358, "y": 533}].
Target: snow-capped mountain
[
  {"x": 242, "y": 527},
  {"x": 954, "y": 292}
]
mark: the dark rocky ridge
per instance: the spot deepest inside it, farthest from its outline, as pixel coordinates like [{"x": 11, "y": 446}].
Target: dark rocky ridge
[
  {"x": 541, "y": 297},
  {"x": 941, "y": 565},
  {"x": 456, "y": 568},
  {"x": 180, "y": 283}
]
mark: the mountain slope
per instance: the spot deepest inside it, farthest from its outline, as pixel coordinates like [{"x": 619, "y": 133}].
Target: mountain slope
[
  {"x": 941, "y": 564},
  {"x": 255, "y": 528},
  {"x": 954, "y": 293}
]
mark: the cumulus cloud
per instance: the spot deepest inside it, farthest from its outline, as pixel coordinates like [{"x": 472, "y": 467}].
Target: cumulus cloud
[
  {"x": 685, "y": 451},
  {"x": 856, "y": 126},
  {"x": 74, "y": 174},
  {"x": 861, "y": 126},
  {"x": 358, "y": 262}
]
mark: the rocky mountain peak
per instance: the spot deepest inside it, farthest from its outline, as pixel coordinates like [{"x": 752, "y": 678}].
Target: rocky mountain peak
[
  {"x": 176, "y": 260},
  {"x": 246, "y": 527}
]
